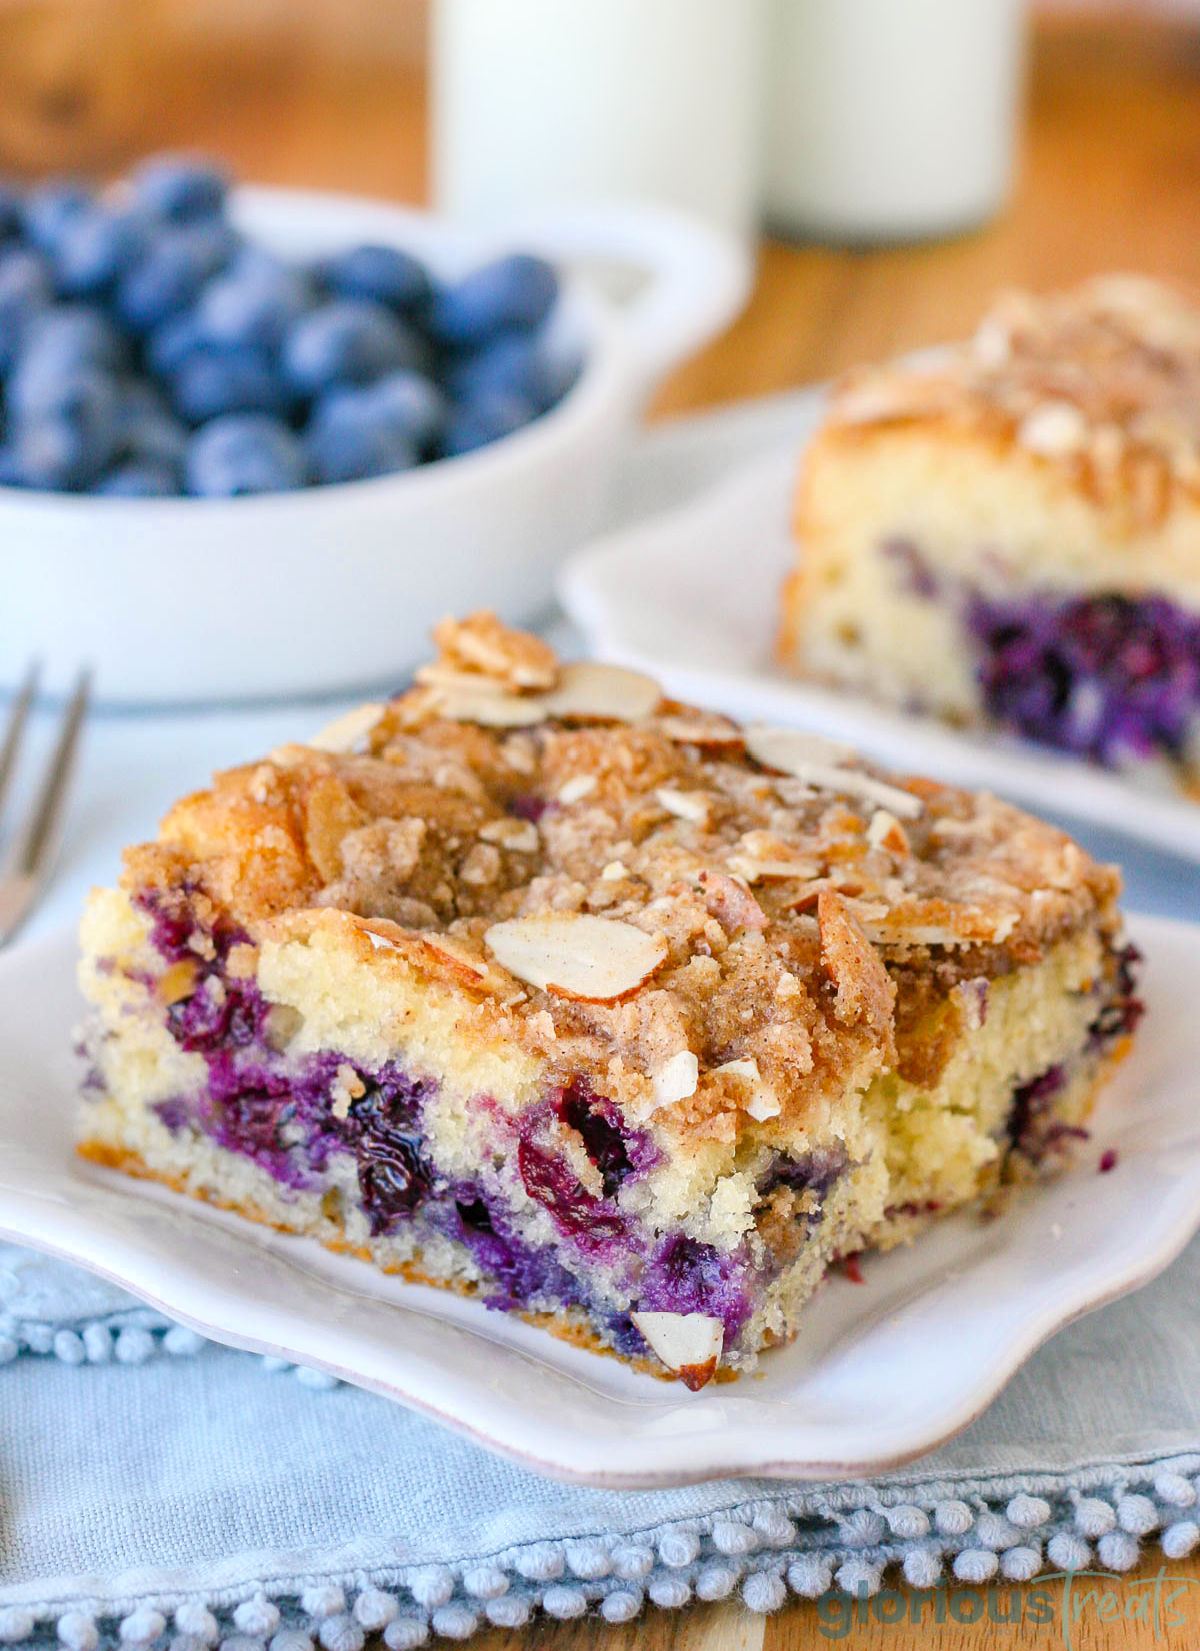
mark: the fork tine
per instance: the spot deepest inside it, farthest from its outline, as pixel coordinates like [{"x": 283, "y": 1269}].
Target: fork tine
[
  {"x": 37, "y": 843},
  {"x": 17, "y": 718}
]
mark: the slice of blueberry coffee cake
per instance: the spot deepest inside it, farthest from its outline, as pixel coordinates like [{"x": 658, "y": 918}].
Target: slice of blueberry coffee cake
[
  {"x": 1010, "y": 532},
  {"x": 537, "y": 984}
]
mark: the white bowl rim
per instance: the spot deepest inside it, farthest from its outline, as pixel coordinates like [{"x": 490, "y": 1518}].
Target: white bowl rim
[{"x": 605, "y": 374}]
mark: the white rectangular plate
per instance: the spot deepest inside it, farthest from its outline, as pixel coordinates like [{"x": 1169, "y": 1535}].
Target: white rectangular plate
[
  {"x": 692, "y": 597},
  {"x": 883, "y": 1371}
]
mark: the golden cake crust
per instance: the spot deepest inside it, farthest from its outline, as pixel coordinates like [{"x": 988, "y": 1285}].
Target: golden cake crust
[
  {"x": 506, "y": 787},
  {"x": 1098, "y": 387}
]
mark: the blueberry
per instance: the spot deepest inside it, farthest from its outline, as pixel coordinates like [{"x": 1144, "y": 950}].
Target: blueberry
[
  {"x": 210, "y": 382},
  {"x": 96, "y": 247},
  {"x": 353, "y": 452},
  {"x": 24, "y": 293},
  {"x": 375, "y": 430},
  {"x": 405, "y": 403},
  {"x": 380, "y": 272},
  {"x": 350, "y": 340},
  {"x": 350, "y": 437},
  {"x": 411, "y": 403},
  {"x": 63, "y": 349},
  {"x": 64, "y": 338},
  {"x": 514, "y": 365},
  {"x": 68, "y": 447},
  {"x": 244, "y": 453},
  {"x": 513, "y": 294},
  {"x": 10, "y": 467},
  {"x": 169, "y": 278},
  {"x": 478, "y": 423},
  {"x": 140, "y": 479},
  {"x": 253, "y": 303},
  {"x": 147, "y": 431},
  {"x": 50, "y": 208},
  {"x": 170, "y": 345},
  {"x": 80, "y": 392},
  {"x": 180, "y": 188}
]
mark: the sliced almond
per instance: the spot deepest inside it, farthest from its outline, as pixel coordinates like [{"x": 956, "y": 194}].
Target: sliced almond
[
  {"x": 489, "y": 708},
  {"x": 760, "y": 856},
  {"x": 690, "y": 1344},
  {"x": 518, "y": 836},
  {"x": 461, "y": 961},
  {"x": 762, "y": 1102},
  {"x": 885, "y": 831},
  {"x": 684, "y": 805},
  {"x": 586, "y": 692},
  {"x": 731, "y": 903},
  {"x": 603, "y": 693},
  {"x": 818, "y": 762},
  {"x": 866, "y": 993},
  {"x": 676, "y": 1079},
  {"x": 439, "y": 953},
  {"x": 381, "y": 942},
  {"x": 763, "y": 871},
  {"x": 481, "y": 644},
  {"x": 1054, "y": 430},
  {"x": 349, "y": 733},
  {"x": 705, "y": 728},
  {"x": 577, "y": 788},
  {"x": 593, "y": 959},
  {"x": 789, "y": 748}
]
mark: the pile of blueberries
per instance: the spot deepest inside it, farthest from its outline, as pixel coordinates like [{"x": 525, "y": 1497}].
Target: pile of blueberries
[{"x": 148, "y": 348}]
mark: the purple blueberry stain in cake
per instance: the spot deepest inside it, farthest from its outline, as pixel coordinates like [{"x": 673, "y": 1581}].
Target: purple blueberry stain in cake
[
  {"x": 175, "y": 1115},
  {"x": 1124, "y": 1008},
  {"x": 519, "y": 1275},
  {"x": 916, "y": 576},
  {"x": 812, "y": 1172},
  {"x": 578, "y": 1214},
  {"x": 616, "y": 1150},
  {"x": 687, "y": 1276},
  {"x": 526, "y": 806},
  {"x": 278, "y": 1110},
  {"x": 1030, "y": 1103},
  {"x": 1108, "y": 677},
  {"x": 220, "y": 1012},
  {"x": 383, "y": 1128}
]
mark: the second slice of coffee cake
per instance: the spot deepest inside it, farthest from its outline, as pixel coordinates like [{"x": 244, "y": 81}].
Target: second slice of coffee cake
[{"x": 1008, "y": 532}]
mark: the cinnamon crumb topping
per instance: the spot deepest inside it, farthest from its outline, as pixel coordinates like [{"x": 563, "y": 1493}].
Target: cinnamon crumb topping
[
  {"x": 1103, "y": 381},
  {"x": 646, "y": 897}
]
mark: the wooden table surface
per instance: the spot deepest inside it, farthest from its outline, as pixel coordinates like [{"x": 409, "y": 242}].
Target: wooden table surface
[{"x": 1110, "y": 180}]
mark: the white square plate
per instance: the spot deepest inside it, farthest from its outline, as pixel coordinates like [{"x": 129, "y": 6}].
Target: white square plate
[
  {"x": 692, "y": 597},
  {"x": 937, "y": 1328}
]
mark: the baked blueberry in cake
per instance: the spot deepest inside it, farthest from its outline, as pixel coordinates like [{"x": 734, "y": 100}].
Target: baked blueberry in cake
[
  {"x": 1010, "y": 532},
  {"x": 535, "y": 983}
]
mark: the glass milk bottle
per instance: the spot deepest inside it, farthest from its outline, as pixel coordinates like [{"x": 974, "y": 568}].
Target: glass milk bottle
[
  {"x": 542, "y": 102},
  {"x": 890, "y": 119}
]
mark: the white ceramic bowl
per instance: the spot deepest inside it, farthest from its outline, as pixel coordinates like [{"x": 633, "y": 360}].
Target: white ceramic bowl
[{"x": 196, "y": 600}]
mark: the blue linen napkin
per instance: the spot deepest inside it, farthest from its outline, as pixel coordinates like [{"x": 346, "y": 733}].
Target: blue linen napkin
[{"x": 157, "y": 1488}]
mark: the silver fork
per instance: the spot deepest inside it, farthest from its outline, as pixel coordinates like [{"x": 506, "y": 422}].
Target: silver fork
[{"x": 26, "y": 867}]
